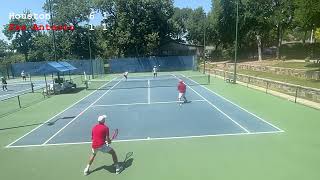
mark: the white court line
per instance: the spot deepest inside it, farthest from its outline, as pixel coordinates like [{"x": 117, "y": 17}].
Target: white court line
[
  {"x": 239, "y": 106},
  {"x": 217, "y": 108},
  {"x": 81, "y": 112},
  {"x": 148, "y": 91},
  {"x": 57, "y": 114},
  {"x": 134, "y": 104},
  {"x": 151, "y": 139}
]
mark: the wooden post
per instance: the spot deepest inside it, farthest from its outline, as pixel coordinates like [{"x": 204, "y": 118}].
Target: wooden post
[
  {"x": 45, "y": 79},
  {"x": 19, "y": 101},
  {"x": 295, "y": 98}
]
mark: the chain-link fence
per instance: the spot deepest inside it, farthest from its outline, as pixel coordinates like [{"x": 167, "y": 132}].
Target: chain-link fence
[{"x": 295, "y": 91}]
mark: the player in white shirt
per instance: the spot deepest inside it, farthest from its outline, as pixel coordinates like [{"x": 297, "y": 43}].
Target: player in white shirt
[
  {"x": 23, "y": 75},
  {"x": 154, "y": 70},
  {"x": 125, "y": 74}
]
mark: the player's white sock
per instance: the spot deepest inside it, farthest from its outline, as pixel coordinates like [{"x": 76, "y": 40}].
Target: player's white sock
[{"x": 86, "y": 170}]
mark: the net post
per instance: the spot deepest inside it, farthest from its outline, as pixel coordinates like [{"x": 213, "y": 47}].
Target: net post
[
  {"x": 44, "y": 94},
  {"x": 295, "y": 97},
  {"x": 45, "y": 79},
  {"x": 32, "y": 90},
  {"x": 267, "y": 87},
  {"x": 209, "y": 78},
  {"x": 86, "y": 83},
  {"x": 19, "y": 101}
]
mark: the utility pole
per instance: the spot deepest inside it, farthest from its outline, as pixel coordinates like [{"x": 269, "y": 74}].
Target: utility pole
[
  {"x": 89, "y": 39},
  {"x": 236, "y": 46},
  {"x": 204, "y": 45},
  {"x": 53, "y": 34}
]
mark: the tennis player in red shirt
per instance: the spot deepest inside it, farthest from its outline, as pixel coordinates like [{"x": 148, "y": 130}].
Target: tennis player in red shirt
[
  {"x": 100, "y": 134},
  {"x": 182, "y": 92}
]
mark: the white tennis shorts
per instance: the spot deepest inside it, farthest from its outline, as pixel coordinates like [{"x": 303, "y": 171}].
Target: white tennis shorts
[
  {"x": 105, "y": 149},
  {"x": 181, "y": 95}
]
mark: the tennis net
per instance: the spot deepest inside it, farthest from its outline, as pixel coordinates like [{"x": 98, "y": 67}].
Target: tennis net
[
  {"x": 22, "y": 87},
  {"x": 131, "y": 83}
]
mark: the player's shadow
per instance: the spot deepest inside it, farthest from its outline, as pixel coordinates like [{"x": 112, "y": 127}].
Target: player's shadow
[{"x": 125, "y": 164}]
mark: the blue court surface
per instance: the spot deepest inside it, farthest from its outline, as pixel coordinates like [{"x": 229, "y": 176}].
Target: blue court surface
[{"x": 150, "y": 113}]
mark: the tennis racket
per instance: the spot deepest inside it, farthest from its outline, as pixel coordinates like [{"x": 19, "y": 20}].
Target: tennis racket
[
  {"x": 128, "y": 155},
  {"x": 114, "y": 134}
]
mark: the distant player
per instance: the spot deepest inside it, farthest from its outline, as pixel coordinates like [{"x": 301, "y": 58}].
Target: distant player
[
  {"x": 154, "y": 70},
  {"x": 182, "y": 92},
  {"x": 4, "y": 84},
  {"x": 100, "y": 134},
  {"x": 125, "y": 74},
  {"x": 23, "y": 75}
]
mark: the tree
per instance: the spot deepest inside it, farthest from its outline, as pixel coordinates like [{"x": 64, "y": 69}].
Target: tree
[
  {"x": 306, "y": 15},
  {"x": 213, "y": 34},
  {"x": 195, "y": 26},
  {"x": 69, "y": 11},
  {"x": 3, "y": 48},
  {"x": 317, "y": 34},
  {"x": 137, "y": 25},
  {"x": 42, "y": 49},
  {"x": 71, "y": 44},
  {"x": 281, "y": 19},
  {"x": 179, "y": 22},
  {"x": 21, "y": 34}
]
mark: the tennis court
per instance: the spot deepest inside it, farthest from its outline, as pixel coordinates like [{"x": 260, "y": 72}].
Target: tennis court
[
  {"x": 204, "y": 139},
  {"x": 146, "y": 108}
]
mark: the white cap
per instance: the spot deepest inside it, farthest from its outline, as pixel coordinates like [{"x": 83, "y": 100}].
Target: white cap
[{"x": 102, "y": 118}]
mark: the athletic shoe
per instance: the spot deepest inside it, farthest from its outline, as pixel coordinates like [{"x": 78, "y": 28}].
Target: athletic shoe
[
  {"x": 119, "y": 169},
  {"x": 86, "y": 172}
]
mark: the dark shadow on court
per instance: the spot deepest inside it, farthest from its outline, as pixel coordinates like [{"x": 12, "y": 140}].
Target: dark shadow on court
[
  {"x": 17, "y": 108},
  {"x": 15, "y": 127},
  {"x": 125, "y": 164},
  {"x": 50, "y": 123}
]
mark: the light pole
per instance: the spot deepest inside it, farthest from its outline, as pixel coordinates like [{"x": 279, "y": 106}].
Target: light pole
[
  {"x": 53, "y": 34},
  {"x": 204, "y": 45},
  {"x": 236, "y": 46},
  {"x": 89, "y": 39}
]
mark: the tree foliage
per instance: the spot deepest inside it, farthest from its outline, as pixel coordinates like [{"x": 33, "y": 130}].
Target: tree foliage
[
  {"x": 141, "y": 27},
  {"x": 21, "y": 34},
  {"x": 136, "y": 27}
]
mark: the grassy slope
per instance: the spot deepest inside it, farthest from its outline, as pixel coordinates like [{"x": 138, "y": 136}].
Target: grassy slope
[
  {"x": 283, "y": 78},
  {"x": 291, "y": 155},
  {"x": 298, "y": 65}
]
